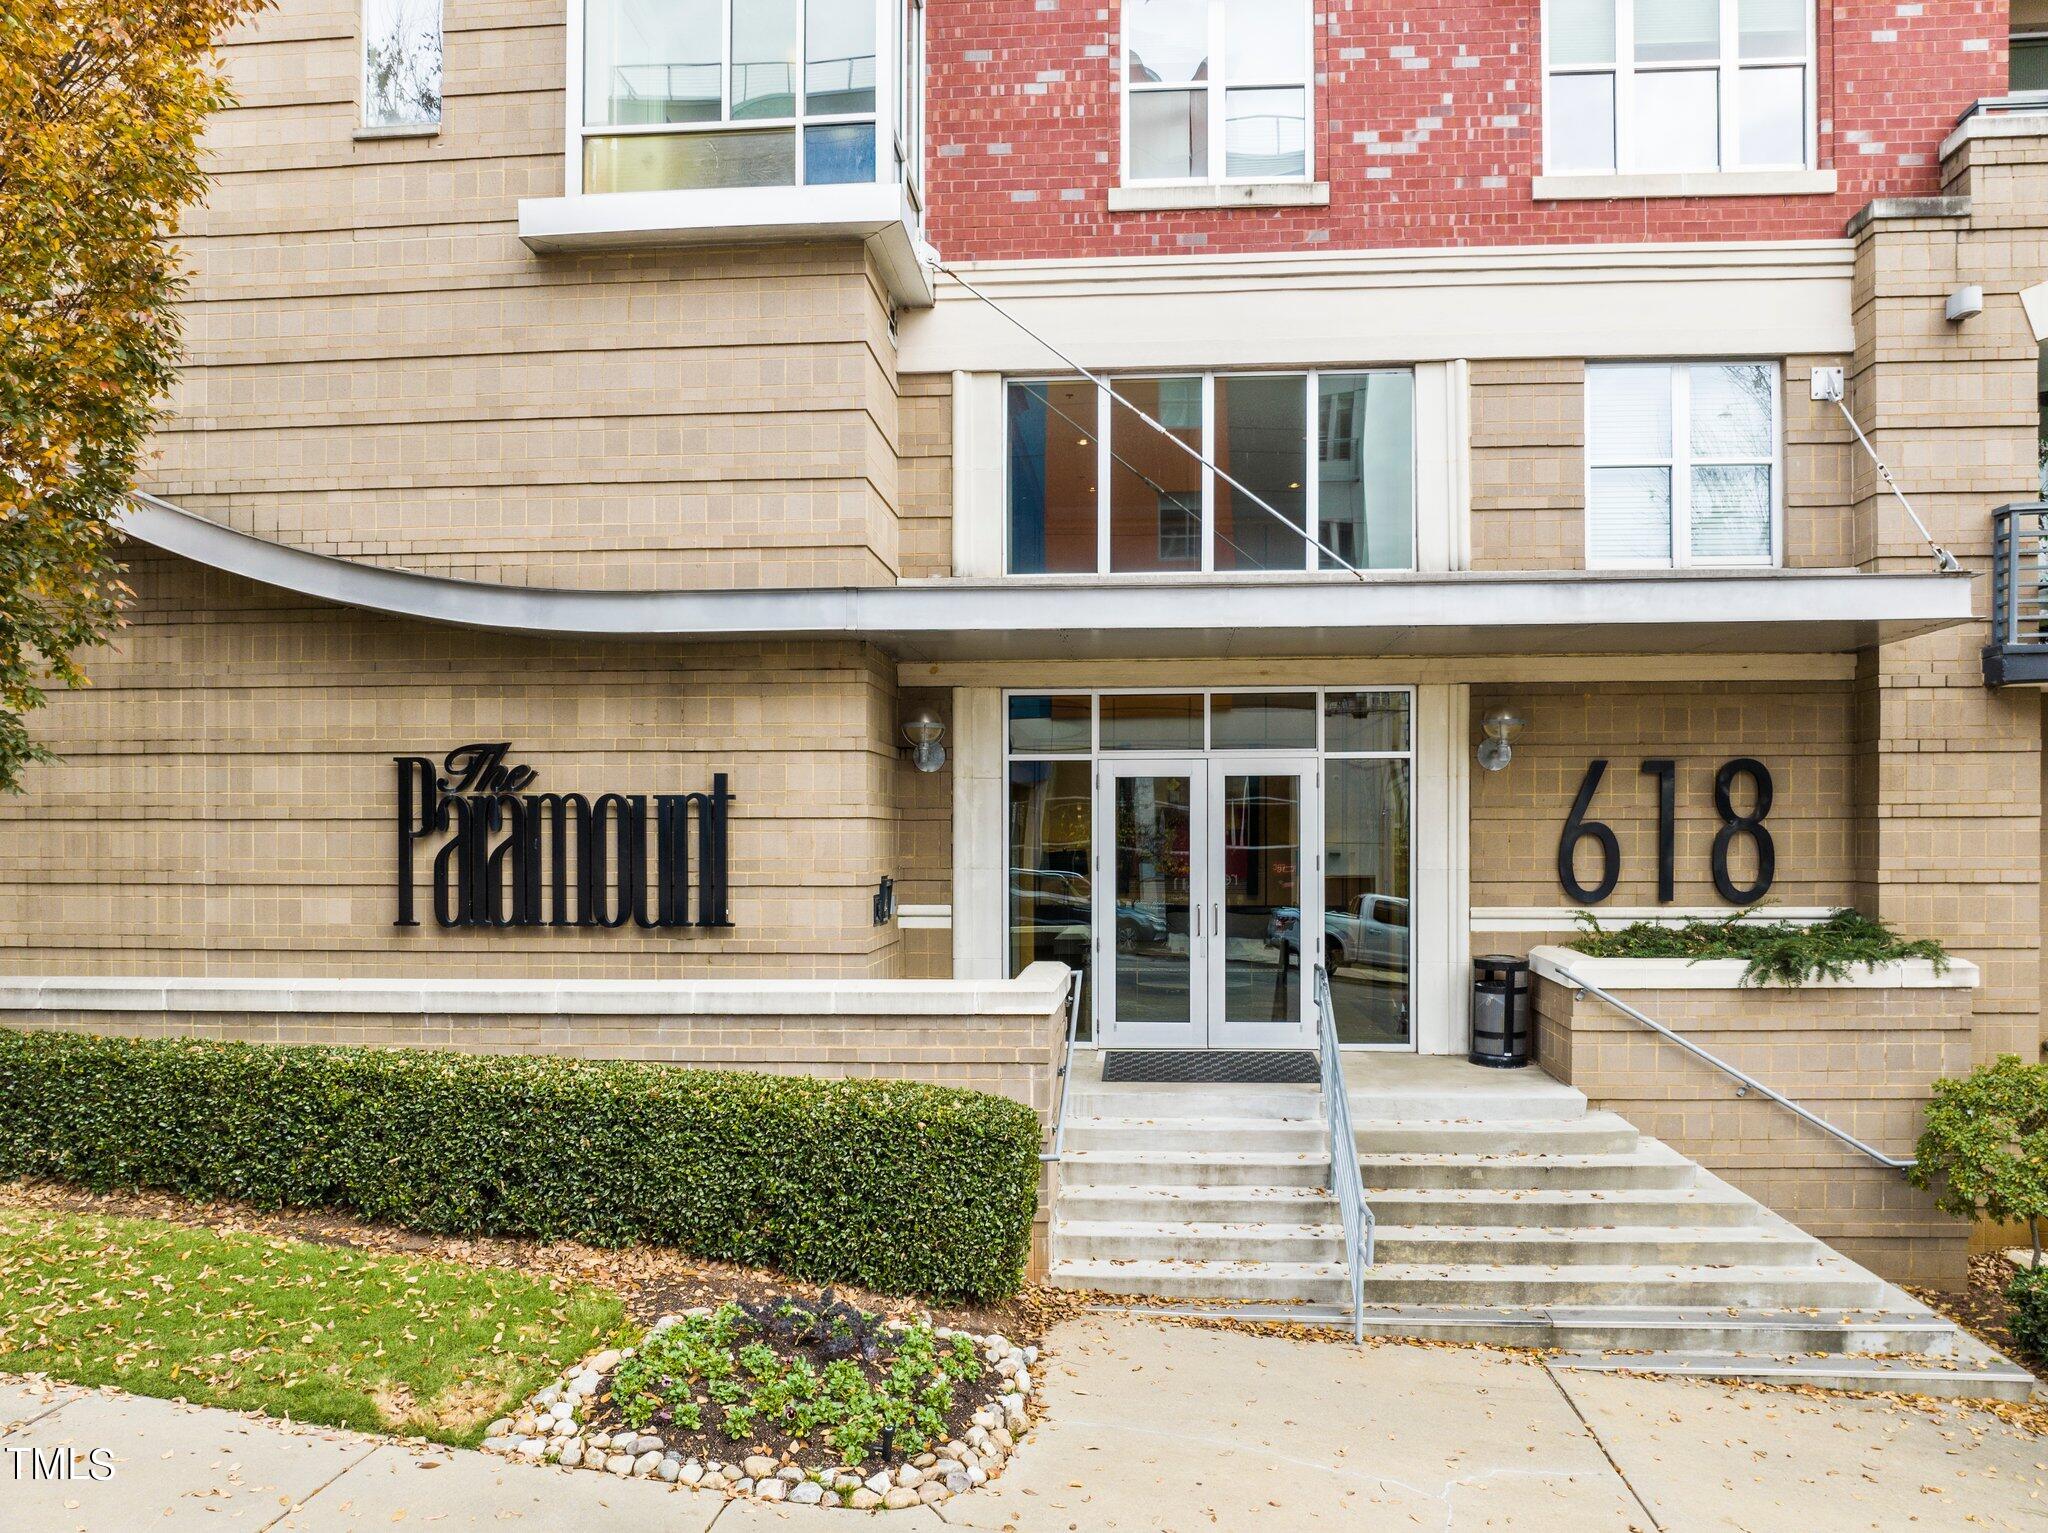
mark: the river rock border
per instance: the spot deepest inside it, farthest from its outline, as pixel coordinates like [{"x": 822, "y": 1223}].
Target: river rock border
[{"x": 550, "y": 1429}]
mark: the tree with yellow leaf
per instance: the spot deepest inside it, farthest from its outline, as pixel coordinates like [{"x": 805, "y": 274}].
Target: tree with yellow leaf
[{"x": 102, "y": 103}]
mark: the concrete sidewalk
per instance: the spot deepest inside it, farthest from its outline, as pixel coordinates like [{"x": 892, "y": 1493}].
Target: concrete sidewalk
[{"x": 1152, "y": 1429}]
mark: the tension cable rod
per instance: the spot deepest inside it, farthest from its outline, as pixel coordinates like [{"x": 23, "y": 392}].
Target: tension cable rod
[{"x": 1104, "y": 384}]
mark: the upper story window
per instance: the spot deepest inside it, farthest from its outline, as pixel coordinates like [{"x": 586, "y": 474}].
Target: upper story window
[
  {"x": 1682, "y": 464},
  {"x": 2029, "y": 60},
  {"x": 1095, "y": 487},
  {"x": 1651, "y": 86},
  {"x": 1216, "y": 90},
  {"x": 402, "y": 65},
  {"x": 702, "y": 94}
]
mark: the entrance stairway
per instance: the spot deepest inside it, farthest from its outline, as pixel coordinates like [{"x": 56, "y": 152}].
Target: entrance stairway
[{"x": 1507, "y": 1213}]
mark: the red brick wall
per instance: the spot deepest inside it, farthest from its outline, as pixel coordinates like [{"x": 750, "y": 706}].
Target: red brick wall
[{"x": 1429, "y": 130}]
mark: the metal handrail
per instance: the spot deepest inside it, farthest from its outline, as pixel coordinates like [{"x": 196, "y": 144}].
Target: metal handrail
[
  {"x": 1059, "y": 1121},
  {"x": 1749, "y": 1082},
  {"x": 1346, "y": 1182}
]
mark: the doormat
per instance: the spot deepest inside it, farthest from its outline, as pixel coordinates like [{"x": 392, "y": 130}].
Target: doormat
[{"x": 1213, "y": 1067}]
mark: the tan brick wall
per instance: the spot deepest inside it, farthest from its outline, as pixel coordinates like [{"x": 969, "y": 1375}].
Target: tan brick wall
[
  {"x": 927, "y": 475},
  {"x": 1950, "y": 773},
  {"x": 1801, "y": 731},
  {"x": 1529, "y": 468},
  {"x": 1863, "y": 1058},
  {"x": 378, "y": 368},
  {"x": 225, "y": 798},
  {"x": 1528, "y": 465}
]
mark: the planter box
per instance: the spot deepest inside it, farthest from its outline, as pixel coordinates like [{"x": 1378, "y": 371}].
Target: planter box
[{"x": 1862, "y": 1052}]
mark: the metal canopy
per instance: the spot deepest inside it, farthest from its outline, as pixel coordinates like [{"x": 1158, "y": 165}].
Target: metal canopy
[{"x": 1041, "y": 618}]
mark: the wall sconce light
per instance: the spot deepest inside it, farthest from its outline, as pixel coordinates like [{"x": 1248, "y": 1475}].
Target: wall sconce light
[
  {"x": 885, "y": 901},
  {"x": 1964, "y": 303},
  {"x": 1501, "y": 726},
  {"x": 924, "y": 730}
]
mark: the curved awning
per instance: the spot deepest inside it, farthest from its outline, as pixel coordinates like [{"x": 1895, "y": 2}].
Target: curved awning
[{"x": 1028, "y": 618}]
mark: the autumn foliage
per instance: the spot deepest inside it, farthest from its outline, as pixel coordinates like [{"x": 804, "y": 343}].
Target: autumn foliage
[{"x": 102, "y": 103}]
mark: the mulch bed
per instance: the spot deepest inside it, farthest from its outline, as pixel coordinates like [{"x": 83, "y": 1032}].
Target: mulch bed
[
  {"x": 651, "y": 1281},
  {"x": 1983, "y": 1310}
]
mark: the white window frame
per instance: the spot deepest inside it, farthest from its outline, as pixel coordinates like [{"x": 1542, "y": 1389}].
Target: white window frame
[
  {"x": 1095, "y": 756},
  {"x": 1217, "y": 86},
  {"x": 423, "y": 128},
  {"x": 1106, "y": 414},
  {"x": 1728, "y": 67},
  {"x": 892, "y": 17},
  {"x": 1680, "y": 462}
]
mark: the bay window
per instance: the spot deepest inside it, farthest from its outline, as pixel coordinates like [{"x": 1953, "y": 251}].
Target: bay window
[
  {"x": 1682, "y": 464},
  {"x": 715, "y": 94},
  {"x": 1216, "y": 90},
  {"x": 1652, "y": 86},
  {"x": 1096, "y": 486}
]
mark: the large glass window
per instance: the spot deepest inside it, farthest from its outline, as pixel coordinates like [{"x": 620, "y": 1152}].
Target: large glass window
[
  {"x": 1682, "y": 463},
  {"x": 401, "y": 64},
  {"x": 2029, "y": 62},
  {"x": 1056, "y": 741},
  {"x": 1644, "y": 86},
  {"x": 1302, "y": 459},
  {"x": 732, "y": 93},
  {"x": 1216, "y": 90}
]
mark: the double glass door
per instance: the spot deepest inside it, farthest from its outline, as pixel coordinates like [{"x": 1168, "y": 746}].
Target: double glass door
[{"x": 1215, "y": 871}]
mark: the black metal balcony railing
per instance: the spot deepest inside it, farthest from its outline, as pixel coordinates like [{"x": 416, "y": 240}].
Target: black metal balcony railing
[{"x": 2018, "y": 651}]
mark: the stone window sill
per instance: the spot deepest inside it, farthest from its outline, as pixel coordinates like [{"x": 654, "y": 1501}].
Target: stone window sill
[
  {"x": 432, "y": 130},
  {"x": 1238, "y": 194},
  {"x": 1707, "y": 183}
]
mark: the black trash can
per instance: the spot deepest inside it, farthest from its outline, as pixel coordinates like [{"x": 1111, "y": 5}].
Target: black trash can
[{"x": 1503, "y": 1012}]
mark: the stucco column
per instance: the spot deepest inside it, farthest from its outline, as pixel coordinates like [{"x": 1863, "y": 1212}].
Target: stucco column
[{"x": 979, "y": 857}]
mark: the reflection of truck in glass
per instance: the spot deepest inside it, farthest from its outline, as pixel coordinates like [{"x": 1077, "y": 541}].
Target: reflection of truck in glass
[{"x": 1373, "y": 931}]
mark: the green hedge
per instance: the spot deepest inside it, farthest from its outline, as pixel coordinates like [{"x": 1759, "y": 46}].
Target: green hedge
[
  {"x": 2028, "y": 1292},
  {"x": 903, "y": 1188}
]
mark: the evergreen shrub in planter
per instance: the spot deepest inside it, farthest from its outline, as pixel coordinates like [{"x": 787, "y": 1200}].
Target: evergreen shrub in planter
[{"x": 898, "y": 1186}]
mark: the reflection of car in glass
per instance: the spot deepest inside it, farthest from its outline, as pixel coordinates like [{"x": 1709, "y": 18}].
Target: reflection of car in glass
[
  {"x": 1057, "y": 903},
  {"x": 1373, "y": 931}
]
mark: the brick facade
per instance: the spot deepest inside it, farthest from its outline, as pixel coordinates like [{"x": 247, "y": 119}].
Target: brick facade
[{"x": 1427, "y": 127}]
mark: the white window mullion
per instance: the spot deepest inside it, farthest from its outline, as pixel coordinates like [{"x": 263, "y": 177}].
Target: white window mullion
[
  {"x": 572, "y": 172},
  {"x": 1219, "y": 93},
  {"x": 1311, "y": 472},
  {"x": 1105, "y": 413},
  {"x": 1624, "y": 86},
  {"x": 1728, "y": 101},
  {"x": 1208, "y": 538},
  {"x": 1681, "y": 466}
]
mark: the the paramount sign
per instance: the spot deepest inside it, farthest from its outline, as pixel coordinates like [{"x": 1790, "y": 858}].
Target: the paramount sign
[{"x": 506, "y": 857}]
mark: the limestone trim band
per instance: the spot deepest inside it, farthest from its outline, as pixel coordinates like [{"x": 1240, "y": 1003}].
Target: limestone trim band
[
  {"x": 1299, "y": 614},
  {"x": 1040, "y": 989}
]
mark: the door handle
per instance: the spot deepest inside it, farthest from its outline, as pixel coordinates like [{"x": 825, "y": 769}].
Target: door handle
[{"x": 1198, "y": 920}]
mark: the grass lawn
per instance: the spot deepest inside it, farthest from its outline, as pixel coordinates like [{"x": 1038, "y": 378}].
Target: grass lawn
[{"x": 256, "y": 1322}]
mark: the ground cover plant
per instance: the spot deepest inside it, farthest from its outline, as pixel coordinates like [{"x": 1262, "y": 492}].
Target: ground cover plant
[
  {"x": 809, "y": 1380},
  {"x": 899, "y": 1187},
  {"x": 1778, "y": 952},
  {"x": 253, "y": 1322}
]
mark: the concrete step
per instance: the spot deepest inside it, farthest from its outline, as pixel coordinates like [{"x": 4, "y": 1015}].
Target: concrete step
[
  {"x": 1645, "y": 1245},
  {"x": 1091, "y": 1099},
  {"x": 1475, "y": 1284},
  {"x": 1185, "y": 1168},
  {"x": 1648, "y": 1165},
  {"x": 1560, "y": 1208},
  {"x": 1197, "y": 1205},
  {"x": 1620, "y": 1329},
  {"x": 1076, "y": 1239},
  {"x": 1598, "y": 1133},
  {"x": 1280, "y": 1283},
  {"x": 1987, "y": 1378},
  {"x": 1300, "y": 1136}
]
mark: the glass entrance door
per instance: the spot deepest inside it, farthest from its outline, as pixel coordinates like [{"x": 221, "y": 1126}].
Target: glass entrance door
[
  {"x": 1152, "y": 850},
  {"x": 1265, "y": 894},
  {"x": 1211, "y": 869}
]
